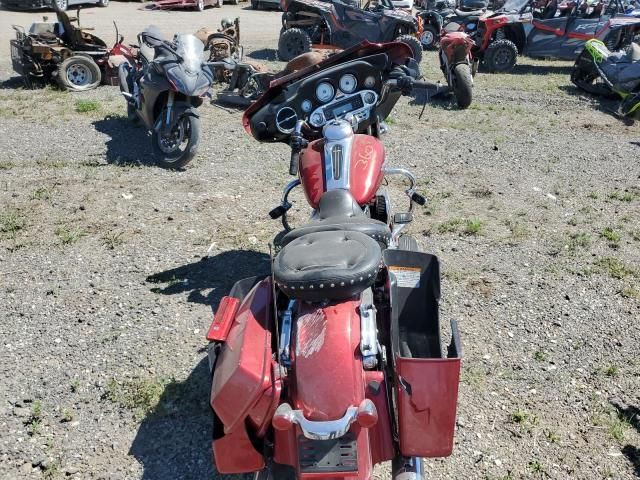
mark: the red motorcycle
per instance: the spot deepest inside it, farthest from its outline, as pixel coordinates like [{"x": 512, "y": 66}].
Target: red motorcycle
[
  {"x": 333, "y": 363},
  {"x": 458, "y": 65}
]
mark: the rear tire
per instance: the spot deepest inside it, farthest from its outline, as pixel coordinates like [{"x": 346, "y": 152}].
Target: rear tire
[
  {"x": 429, "y": 38},
  {"x": 200, "y": 5},
  {"x": 79, "y": 73},
  {"x": 501, "y": 56},
  {"x": 463, "y": 88},
  {"x": 408, "y": 243},
  {"x": 180, "y": 157},
  {"x": 586, "y": 77},
  {"x": 293, "y": 42},
  {"x": 414, "y": 44}
]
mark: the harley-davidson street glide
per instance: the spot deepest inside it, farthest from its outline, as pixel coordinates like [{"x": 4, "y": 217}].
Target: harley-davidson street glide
[
  {"x": 163, "y": 87},
  {"x": 334, "y": 363}
]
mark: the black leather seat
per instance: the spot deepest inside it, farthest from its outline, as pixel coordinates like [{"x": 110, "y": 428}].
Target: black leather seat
[
  {"x": 339, "y": 211},
  {"x": 331, "y": 265}
]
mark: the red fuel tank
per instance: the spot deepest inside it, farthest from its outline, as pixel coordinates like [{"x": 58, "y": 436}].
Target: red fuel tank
[{"x": 364, "y": 172}]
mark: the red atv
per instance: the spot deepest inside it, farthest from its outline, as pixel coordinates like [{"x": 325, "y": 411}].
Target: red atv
[
  {"x": 333, "y": 363},
  {"x": 514, "y": 29}
]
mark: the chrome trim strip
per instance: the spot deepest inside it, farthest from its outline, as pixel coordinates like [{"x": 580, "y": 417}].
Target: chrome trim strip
[{"x": 313, "y": 430}]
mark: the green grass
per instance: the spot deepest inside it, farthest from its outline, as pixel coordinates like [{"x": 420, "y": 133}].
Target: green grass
[
  {"x": 140, "y": 395},
  {"x": 42, "y": 193},
  {"x": 450, "y": 226},
  {"x": 611, "y": 235},
  {"x": 611, "y": 371},
  {"x": 631, "y": 292},
  {"x": 11, "y": 222},
  {"x": 541, "y": 356},
  {"x": 112, "y": 239},
  {"x": 473, "y": 227},
  {"x": 67, "y": 235},
  {"x": 86, "y": 106},
  {"x": 616, "y": 268},
  {"x": 622, "y": 196},
  {"x": 6, "y": 165},
  {"x": 579, "y": 240}
]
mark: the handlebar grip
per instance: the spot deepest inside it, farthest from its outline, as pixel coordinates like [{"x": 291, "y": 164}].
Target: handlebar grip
[
  {"x": 424, "y": 85},
  {"x": 294, "y": 163}
]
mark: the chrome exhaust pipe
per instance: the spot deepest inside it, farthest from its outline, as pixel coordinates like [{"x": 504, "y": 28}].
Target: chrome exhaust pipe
[{"x": 408, "y": 468}]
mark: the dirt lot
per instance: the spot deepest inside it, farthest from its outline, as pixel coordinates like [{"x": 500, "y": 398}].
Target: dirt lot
[{"x": 110, "y": 268}]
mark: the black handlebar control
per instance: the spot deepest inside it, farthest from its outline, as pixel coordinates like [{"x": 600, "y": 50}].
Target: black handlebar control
[{"x": 294, "y": 163}]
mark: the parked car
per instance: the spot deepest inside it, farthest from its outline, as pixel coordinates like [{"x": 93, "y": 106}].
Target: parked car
[
  {"x": 199, "y": 5},
  {"x": 405, "y": 4},
  {"x": 55, "y": 4}
]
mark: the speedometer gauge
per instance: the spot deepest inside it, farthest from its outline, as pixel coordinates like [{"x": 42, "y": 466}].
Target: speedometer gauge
[
  {"x": 324, "y": 92},
  {"x": 348, "y": 83}
]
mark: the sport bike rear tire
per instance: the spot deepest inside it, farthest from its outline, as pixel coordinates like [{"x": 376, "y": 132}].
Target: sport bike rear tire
[
  {"x": 463, "y": 88},
  {"x": 179, "y": 158},
  {"x": 293, "y": 42},
  {"x": 501, "y": 56},
  {"x": 585, "y": 76},
  {"x": 414, "y": 44}
]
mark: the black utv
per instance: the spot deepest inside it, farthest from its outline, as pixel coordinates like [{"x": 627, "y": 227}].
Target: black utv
[{"x": 342, "y": 24}]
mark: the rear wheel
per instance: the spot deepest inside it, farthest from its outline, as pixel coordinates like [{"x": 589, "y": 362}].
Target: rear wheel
[
  {"x": 463, "y": 87},
  {"x": 200, "y": 5},
  {"x": 501, "y": 56},
  {"x": 293, "y": 42},
  {"x": 429, "y": 38},
  {"x": 414, "y": 44},
  {"x": 79, "y": 73}
]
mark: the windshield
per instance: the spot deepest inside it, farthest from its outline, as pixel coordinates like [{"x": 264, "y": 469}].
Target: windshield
[
  {"x": 514, "y": 5},
  {"x": 191, "y": 50}
]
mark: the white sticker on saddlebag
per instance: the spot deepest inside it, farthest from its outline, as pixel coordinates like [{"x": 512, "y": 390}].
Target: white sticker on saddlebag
[{"x": 407, "y": 277}]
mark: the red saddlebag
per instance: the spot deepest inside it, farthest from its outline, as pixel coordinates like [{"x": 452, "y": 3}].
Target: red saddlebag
[
  {"x": 427, "y": 382},
  {"x": 244, "y": 392}
]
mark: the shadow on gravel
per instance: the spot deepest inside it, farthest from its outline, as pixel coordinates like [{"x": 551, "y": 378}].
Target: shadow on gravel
[
  {"x": 174, "y": 441},
  {"x": 217, "y": 274},
  {"x": 630, "y": 414},
  {"x": 13, "y": 83},
  {"x": 127, "y": 145},
  {"x": 444, "y": 100},
  {"x": 263, "y": 54}
]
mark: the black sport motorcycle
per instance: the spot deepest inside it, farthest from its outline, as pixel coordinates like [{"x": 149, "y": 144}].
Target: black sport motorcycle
[
  {"x": 164, "y": 85},
  {"x": 439, "y": 17}
]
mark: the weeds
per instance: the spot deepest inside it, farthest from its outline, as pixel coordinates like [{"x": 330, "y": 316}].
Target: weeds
[
  {"x": 67, "y": 415},
  {"x": 541, "y": 356},
  {"x": 615, "y": 268},
  {"x": 68, "y": 236},
  {"x": 579, "y": 240},
  {"x": 35, "y": 419},
  {"x": 11, "y": 222},
  {"x": 611, "y": 371},
  {"x": 612, "y": 236},
  {"x": 42, "y": 193},
  {"x": 630, "y": 292},
  {"x": 473, "y": 227},
  {"x": 553, "y": 437},
  {"x": 140, "y": 395},
  {"x": 450, "y": 226},
  {"x": 622, "y": 196},
  {"x": 112, "y": 239},
  {"x": 86, "y": 106}
]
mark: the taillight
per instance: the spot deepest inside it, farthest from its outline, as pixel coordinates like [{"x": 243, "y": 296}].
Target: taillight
[{"x": 223, "y": 319}]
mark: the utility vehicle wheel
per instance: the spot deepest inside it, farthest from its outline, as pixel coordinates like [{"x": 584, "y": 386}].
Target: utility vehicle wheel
[
  {"x": 429, "y": 38},
  {"x": 589, "y": 80},
  {"x": 178, "y": 147},
  {"x": 61, "y": 5},
  {"x": 409, "y": 243},
  {"x": 103, "y": 3},
  {"x": 79, "y": 73},
  {"x": 200, "y": 5},
  {"x": 501, "y": 56},
  {"x": 293, "y": 42},
  {"x": 463, "y": 88},
  {"x": 414, "y": 44}
]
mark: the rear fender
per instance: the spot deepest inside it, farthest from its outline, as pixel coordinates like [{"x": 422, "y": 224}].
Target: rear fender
[{"x": 329, "y": 377}]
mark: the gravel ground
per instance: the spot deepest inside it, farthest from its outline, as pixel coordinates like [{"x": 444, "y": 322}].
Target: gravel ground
[{"x": 110, "y": 268}]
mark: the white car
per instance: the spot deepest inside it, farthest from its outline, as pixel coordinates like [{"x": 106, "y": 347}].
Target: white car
[{"x": 408, "y": 4}]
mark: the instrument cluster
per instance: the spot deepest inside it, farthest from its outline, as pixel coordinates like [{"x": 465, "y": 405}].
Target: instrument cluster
[{"x": 349, "y": 88}]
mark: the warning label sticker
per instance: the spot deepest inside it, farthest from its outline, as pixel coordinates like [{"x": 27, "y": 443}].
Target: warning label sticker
[{"x": 407, "y": 277}]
